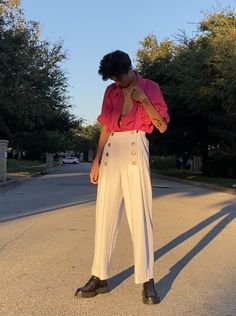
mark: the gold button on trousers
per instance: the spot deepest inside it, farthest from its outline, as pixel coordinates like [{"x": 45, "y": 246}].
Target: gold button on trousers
[{"x": 124, "y": 183}]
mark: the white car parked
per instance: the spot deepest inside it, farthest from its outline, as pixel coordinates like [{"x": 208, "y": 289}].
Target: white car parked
[{"x": 71, "y": 160}]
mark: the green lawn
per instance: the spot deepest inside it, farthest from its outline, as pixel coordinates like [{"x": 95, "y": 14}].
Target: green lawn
[{"x": 188, "y": 175}]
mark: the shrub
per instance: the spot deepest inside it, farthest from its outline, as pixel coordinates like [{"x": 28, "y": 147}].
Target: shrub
[
  {"x": 157, "y": 162},
  {"x": 221, "y": 164}
]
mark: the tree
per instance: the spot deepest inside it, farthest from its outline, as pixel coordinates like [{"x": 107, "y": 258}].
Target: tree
[
  {"x": 5, "y": 5},
  {"x": 198, "y": 78},
  {"x": 34, "y": 104},
  {"x": 86, "y": 138}
]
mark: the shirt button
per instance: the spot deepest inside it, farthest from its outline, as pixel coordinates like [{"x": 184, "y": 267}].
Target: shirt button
[
  {"x": 109, "y": 144},
  {"x": 133, "y": 152},
  {"x": 112, "y": 133},
  {"x": 105, "y": 163},
  {"x": 107, "y": 154},
  {"x": 133, "y": 143},
  {"x": 134, "y": 162}
]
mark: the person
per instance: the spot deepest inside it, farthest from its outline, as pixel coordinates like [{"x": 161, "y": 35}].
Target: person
[{"x": 132, "y": 106}]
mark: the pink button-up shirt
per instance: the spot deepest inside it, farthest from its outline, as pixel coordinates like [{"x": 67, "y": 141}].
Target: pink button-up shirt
[{"x": 137, "y": 118}]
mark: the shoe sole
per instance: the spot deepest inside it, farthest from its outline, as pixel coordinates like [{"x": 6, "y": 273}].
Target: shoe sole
[{"x": 92, "y": 294}]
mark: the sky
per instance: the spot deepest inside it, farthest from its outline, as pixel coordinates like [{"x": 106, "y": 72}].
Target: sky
[{"x": 92, "y": 28}]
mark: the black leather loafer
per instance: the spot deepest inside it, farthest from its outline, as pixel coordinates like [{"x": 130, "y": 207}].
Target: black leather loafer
[
  {"x": 93, "y": 287},
  {"x": 149, "y": 293}
]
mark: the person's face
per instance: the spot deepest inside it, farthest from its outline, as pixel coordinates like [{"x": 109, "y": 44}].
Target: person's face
[{"x": 123, "y": 80}]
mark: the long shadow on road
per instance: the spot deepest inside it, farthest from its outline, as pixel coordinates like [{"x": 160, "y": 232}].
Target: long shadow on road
[{"x": 163, "y": 286}]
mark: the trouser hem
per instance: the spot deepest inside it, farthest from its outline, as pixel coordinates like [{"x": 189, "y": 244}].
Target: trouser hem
[
  {"x": 142, "y": 281},
  {"x": 100, "y": 276}
]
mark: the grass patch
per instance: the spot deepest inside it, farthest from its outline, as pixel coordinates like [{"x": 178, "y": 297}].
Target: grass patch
[{"x": 24, "y": 167}]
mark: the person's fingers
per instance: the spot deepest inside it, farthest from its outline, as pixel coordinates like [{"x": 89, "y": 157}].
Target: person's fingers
[
  {"x": 91, "y": 177},
  {"x": 94, "y": 178}
]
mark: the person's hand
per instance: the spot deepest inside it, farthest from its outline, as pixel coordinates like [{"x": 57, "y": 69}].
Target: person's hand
[
  {"x": 94, "y": 172},
  {"x": 137, "y": 94}
]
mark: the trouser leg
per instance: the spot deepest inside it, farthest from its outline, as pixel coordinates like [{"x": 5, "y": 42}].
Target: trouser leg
[
  {"x": 136, "y": 186},
  {"x": 109, "y": 208}
]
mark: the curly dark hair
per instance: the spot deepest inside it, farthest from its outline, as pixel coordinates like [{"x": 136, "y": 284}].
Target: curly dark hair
[{"x": 114, "y": 64}]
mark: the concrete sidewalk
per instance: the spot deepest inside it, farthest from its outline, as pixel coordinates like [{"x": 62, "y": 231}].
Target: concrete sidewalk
[{"x": 45, "y": 257}]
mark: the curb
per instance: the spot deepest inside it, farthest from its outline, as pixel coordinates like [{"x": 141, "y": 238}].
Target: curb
[
  {"x": 18, "y": 179},
  {"x": 197, "y": 184}
]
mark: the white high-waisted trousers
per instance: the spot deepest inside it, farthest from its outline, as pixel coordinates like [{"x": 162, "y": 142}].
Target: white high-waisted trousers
[{"x": 124, "y": 180}]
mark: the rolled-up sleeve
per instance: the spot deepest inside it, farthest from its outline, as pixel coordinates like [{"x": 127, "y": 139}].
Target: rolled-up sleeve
[
  {"x": 154, "y": 94},
  {"x": 106, "y": 113}
]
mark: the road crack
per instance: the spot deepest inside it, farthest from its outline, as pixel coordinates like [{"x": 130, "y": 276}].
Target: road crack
[{"x": 15, "y": 238}]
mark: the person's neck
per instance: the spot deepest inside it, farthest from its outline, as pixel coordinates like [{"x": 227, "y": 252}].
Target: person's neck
[
  {"x": 133, "y": 81},
  {"x": 134, "y": 78}
]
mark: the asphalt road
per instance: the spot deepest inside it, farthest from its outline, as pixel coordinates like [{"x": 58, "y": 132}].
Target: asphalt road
[
  {"x": 66, "y": 185},
  {"x": 44, "y": 257}
]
